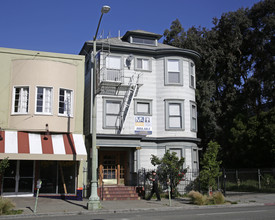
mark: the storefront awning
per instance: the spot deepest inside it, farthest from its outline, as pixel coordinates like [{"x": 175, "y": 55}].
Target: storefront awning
[{"x": 31, "y": 146}]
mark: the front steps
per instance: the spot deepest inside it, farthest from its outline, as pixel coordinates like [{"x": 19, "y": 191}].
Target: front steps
[{"x": 118, "y": 193}]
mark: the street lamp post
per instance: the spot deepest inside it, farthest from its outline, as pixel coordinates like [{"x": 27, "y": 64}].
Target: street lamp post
[{"x": 94, "y": 203}]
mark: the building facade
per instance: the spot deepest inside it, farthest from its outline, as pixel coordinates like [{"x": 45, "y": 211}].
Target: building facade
[
  {"x": 145, "y": 104},
  {"x": 41, "y": 120}
]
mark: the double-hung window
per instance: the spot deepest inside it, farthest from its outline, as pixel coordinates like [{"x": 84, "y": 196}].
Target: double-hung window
[
  {"x": 193, "y": 116},
  {"x": 192, "y": 75},
  {"x": 111, "y": 113},
  {"x": 113, "y": 65},
  {"x": 65, "y": 102},
  {"x": 143, "y": 107},
  {"x": 143, "y": 64},
  {"x": 44, "y": 100},
  {"x": 21, "y": 100},
  {"x": 174, "y": 115},
  {"x": 173, "y": 74}
]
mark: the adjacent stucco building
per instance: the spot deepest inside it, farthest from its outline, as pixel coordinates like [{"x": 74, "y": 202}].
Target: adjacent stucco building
[{"x": 41, "y": 120}]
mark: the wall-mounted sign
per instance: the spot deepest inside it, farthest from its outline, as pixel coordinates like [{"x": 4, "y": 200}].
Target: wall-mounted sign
[{"x": 143, "y": 125}]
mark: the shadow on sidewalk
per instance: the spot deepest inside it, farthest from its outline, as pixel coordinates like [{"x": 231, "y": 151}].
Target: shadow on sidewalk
[{"x": 76, "y": 204}]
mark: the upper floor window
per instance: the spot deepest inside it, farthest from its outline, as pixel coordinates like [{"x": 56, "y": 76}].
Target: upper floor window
[
  {"x": 192, "y": 75},
  {"x": 65, "y": 102},
  {"x": 173, "y": 74},
  {"x": 147, "y": 41},
  {"x": 143, "y": 107},
  {"x": 193, "y": 116},
  {"x": 113, "y": 65},
  {"x": 44, "y": 100},
  {"x": 174, "y": 115},
  {"x": 143, "y": 64},
  {"x": 21, "y": 100},
  {"x": 111, "y": 113}
]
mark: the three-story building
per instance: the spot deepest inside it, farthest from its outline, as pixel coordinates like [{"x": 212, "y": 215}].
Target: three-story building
[{"x": 145, "y": 104}]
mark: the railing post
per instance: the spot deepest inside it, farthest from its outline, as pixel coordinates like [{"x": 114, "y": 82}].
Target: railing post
[
  {"x": 224, "y": 182},
  {"x": 259, "y": 178}
]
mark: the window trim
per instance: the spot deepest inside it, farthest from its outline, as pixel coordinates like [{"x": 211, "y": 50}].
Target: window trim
[
  {"x": 155, "y": 42},
  {"x": 191, "y": 117},
  {"x": 143, "y": 101},
  {"x": 141, "y": 69},
  {"x": 166, "y": 78},
  {"x": 13, "y": 100},
  {"x": 71, "y": 104},
  {"x": 105, "y": 100},
  {"x": 167, "y": 115},
  {"x": 192, "y": 73},
  {"x": 52, "y": 101}
]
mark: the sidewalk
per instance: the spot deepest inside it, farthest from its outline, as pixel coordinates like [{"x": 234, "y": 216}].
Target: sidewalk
[{"x": 48, "y": 206}]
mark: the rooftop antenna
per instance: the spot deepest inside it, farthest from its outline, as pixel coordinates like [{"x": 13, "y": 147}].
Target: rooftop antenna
[{"x": 118, "y": 34}]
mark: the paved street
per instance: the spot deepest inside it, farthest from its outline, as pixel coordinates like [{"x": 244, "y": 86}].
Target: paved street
[
  {"x": 245, "y": 206},
  {"x": 248, "y": 212}
]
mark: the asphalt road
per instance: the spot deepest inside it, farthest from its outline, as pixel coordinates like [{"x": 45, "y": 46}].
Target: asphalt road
[{"x": 251, "y": 213}]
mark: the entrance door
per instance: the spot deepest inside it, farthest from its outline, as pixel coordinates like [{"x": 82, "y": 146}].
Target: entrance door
[
  {"x": 112, "y": 167},
  {"x": 18, "y": 177}
]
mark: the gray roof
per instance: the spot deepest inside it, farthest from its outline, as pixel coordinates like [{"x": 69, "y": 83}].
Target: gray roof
[{"x": 121, "y": 44}]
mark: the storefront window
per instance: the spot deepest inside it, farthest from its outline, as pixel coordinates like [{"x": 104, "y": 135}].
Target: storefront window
[{"x": 58, "y": 177}]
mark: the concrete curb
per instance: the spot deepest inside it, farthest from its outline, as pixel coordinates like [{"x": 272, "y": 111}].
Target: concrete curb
[{"x": 131, "y": 210}]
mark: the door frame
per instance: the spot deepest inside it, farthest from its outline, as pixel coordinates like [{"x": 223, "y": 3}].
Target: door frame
[
  {"x": 17, "y": 177},
  {"x": 118, "y": 167}
]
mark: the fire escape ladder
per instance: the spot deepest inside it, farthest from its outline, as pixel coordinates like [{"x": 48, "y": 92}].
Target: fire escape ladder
[{"x": 126, "y": 103}]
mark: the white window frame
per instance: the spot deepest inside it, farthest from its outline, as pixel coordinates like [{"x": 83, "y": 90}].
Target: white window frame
[
  {"x": 193, "y": 117},
  {"x": 105, "y": 114},
  {"x": 23, "y": 102},
  {"x": 116, "y": 72},
  {"x": 143, "y": 59},
  {"x": 68, "y": 102},
  {"x": 192, "y": 75},
  {"x": 168, "y": 115},
  {"x": 143, "y": 101},
  {"x": 44, "y": 106},
  {"x": 179, "y": 71},
  {"x": 143, "y": 41}
]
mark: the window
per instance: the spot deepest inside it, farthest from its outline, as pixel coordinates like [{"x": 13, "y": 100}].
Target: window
[
  {"x": 143, "y": 64},
  {"x": 21, "y": 100},
  {"x": 192, "y": 75},
  {"x": 174, "y": 115},
  {"x": 112, "y": 113},
  {"x": 143, "y": 107},
  {"x": 147, "y": 41},
  {"x": 65, "y": 102},
  {"x": 173, "y": 74},
  {"x": 113, "y": 64},
  {"x": 44, "y": 100},
  {"x": 193, "y": 117}
]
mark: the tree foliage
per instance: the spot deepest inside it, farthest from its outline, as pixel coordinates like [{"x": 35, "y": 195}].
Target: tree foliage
[
  {"x": 236, "y": 75},
  {"x": 169, "y": 167},
  {"x": 210, "y": 166},
  {"x": 4, "y": 164}
]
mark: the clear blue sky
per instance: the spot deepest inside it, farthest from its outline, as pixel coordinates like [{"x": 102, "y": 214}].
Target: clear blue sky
[{"x": 63, "y": 26}]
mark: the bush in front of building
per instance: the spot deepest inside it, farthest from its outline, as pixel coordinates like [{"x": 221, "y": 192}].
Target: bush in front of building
[
  {"x": 199, "y": 199},
  {"x": 6, "y": 206}
]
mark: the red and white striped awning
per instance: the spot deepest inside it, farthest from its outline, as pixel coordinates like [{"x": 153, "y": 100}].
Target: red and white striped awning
[{"x": 32, "y": 146}]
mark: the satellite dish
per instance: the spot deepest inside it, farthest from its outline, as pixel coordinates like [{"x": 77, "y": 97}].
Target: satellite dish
[{"x": 129, "y": 60}]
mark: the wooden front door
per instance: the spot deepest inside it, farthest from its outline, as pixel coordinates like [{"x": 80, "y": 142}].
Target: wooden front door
[{"x": 112, "y": 167}]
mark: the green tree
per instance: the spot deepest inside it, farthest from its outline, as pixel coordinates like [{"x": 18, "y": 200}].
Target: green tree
[
  {"x": 169, "y": 167},
  {"x": 210, "y": 166},
  {"x": 236, "y": 73}
]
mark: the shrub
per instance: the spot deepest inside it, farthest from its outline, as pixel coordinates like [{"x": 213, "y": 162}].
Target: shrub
[
  {"x": 5, "y": 205},
  {"x": 197, "y": 198},
  {"x": 218, "y": 198}
]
